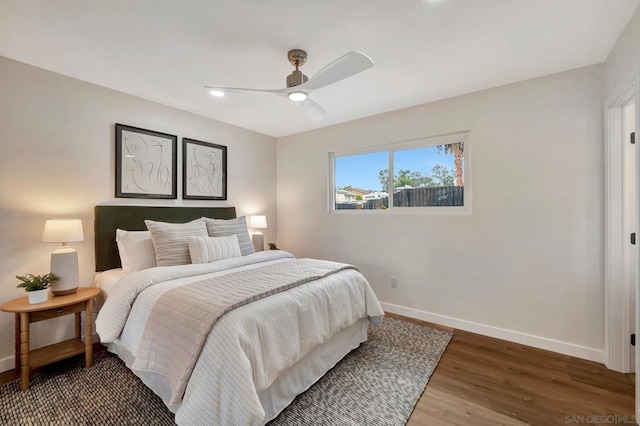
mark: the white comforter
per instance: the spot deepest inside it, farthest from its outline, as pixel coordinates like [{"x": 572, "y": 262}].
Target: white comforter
[{"x": 248, "y": 347}]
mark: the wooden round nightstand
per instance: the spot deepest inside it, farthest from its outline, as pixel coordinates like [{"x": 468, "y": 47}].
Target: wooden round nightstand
[{"x": 57, "y": 306}]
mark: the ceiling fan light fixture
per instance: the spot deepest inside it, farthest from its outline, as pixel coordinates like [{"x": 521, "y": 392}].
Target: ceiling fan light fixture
[
  {"x": 297, "y": 96},
  {"x": 217, "y": 93}
]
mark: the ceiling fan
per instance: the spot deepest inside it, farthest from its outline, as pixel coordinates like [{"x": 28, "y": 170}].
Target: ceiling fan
[{"x": 299, "y": 86}]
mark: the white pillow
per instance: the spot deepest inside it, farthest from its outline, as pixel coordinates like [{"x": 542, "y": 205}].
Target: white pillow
[
  {"x": 170, "y": 240},
  {"x": 227, "y": 227},
  {"x": 136, "y": 250},
  {"x": 210, "y": 249}
]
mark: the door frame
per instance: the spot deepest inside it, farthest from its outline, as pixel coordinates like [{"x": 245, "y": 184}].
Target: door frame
[{"x": 617, "y": 313}]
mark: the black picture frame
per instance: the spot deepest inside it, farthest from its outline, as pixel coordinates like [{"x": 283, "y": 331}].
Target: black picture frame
[
  {"x": 204, "y": 170},
  {"x": 146, "y": 163}
]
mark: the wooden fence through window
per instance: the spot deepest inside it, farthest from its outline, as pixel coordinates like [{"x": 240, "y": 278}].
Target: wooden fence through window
[{"x": 442, "y": 196}]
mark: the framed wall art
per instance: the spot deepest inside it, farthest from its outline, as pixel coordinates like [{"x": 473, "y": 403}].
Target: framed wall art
[
  {"x": 146, "y": 163},
  {"x": 204, "y": 170}
]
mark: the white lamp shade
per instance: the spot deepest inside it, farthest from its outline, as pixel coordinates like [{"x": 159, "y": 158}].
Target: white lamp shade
[
  {"x": 258, "y": 222},
  {"x": 62, "y": 231}
]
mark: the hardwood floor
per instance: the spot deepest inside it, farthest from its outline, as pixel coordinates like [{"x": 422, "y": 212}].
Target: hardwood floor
[{"x": 486, "y": 381}]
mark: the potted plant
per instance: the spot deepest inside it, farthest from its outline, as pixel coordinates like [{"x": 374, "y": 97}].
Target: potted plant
[{"x": 37, "y": 286}]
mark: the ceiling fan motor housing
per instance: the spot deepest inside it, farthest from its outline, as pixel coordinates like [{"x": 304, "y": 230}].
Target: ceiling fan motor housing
[{"x": 296, "y": 78}]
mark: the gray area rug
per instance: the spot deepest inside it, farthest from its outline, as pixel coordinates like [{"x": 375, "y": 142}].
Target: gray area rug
[{"x": 377, "y": 384}]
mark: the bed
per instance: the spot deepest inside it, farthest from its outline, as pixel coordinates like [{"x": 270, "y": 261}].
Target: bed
[{"x": 254, "y": 359}]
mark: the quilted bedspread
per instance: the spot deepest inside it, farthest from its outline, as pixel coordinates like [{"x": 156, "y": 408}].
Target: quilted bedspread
[
  {"x": 181, "y": 319},
  {"x": 248, "y": 347}
]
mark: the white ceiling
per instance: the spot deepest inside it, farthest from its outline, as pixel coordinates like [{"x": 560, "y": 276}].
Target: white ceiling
[{"x": 424, "y": 50}]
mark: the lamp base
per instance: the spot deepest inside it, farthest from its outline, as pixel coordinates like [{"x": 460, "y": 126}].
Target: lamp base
[
  {"x": 64, "y": 264},
  {"x": 63, "y": 292},
  {"x": 258, "y": 241}
]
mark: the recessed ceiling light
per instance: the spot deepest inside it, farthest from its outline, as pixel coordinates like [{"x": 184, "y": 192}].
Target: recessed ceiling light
[
  {"x": 217, "y": 93},
  {"x": 297, "y": 96}
]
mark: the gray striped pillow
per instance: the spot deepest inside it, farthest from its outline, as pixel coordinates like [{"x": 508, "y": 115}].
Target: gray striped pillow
[
  {"x": 225, "y": 228},
  {"x": 170, "y": 240},
  {"x": 211, "y": 249}
]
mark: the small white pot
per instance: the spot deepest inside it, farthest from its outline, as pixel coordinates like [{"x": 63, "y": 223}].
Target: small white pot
[{"x": 38, "y": 296}]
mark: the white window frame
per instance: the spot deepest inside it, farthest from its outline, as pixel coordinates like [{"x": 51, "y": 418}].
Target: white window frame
[{"x": 425, "y": 142}]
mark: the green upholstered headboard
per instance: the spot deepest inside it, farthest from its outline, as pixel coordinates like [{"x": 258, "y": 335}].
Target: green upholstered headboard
[{"x": 131, "y": 218}]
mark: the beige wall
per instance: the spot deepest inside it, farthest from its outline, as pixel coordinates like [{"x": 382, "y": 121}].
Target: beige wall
[
  {"x": 57, "y": 152},
  {"x": 527, "y": 263},
  {"x": 624, "y": 58}
]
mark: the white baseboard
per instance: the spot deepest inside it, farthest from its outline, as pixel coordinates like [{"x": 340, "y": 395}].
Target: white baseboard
[
  {"x": 7, "y": 363},
  {"x": 565, "y": 348}
]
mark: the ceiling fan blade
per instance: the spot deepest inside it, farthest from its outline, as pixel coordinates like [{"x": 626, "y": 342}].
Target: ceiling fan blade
[
  {"x": 243, "y": 90},
  {"x": 345, "y": 66},
  {"x": 314, "y": 111}
]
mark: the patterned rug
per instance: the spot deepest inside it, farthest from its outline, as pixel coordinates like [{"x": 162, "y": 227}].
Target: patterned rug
[{"x": 377, "y": 384}]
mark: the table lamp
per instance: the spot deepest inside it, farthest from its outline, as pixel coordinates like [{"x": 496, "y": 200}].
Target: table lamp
[
  {"x": 64, "y": 259},
  {"x": 258, "y": 222}
]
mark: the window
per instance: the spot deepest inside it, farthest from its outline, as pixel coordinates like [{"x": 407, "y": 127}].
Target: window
[
  {"x": 358, "y": 181},
  {"x": 429, "y": 173}
]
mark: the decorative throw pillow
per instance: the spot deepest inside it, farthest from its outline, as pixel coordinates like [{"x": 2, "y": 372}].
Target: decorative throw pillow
[
  {"x": 170, "y": 240},
  {"x": 227, "y": 227},
  {"x": 136, "y": 250},
  {"x": 211, "y": 249}
]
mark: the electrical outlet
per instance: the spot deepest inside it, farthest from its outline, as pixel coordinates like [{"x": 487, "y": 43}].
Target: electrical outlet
[{"x": 394, "y": 282}]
